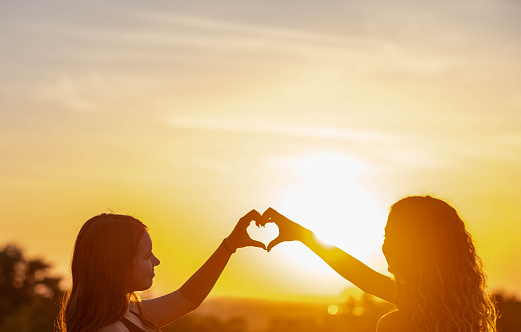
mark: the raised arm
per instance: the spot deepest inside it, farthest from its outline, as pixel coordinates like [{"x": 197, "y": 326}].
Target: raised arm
[
  {"x": 166, "y": 309},
  {"x": 344, "y": 264}
]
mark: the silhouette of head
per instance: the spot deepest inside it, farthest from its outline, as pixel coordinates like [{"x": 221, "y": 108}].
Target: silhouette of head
[
  {"x": 424, "y": 233},
  {"x": 433, "y": 259},
  {"x": 103, "y": 271},
  {"x": 105, "y": 250}
]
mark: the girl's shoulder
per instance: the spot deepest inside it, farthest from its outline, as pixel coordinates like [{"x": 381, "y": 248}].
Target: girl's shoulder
[{"x": 395, "y": 321}]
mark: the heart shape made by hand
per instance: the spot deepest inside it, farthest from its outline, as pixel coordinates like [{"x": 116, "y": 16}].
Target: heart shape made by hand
[{"x": 264, "y": 234}]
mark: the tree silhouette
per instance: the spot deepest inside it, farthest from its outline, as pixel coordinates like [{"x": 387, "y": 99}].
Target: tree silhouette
[
  {"x": 28, "y": 295},
  {"x": 509, "y": 313}
]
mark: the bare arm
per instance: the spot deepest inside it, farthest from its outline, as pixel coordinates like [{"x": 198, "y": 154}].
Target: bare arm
[
  {"x": 344, "y": 264},
  {"x": 166, "y": 309}
]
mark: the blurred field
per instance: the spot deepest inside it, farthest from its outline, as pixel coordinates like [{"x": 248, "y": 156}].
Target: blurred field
[
  {"x": 30, "y": 296},
  {"x": 255, "y": 315},
  {"x": 355, "y": 313}
]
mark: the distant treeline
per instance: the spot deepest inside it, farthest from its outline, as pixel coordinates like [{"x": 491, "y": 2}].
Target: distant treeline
[
  {"x": 29, "y": 302},
  {"x": 358, "y": 314}
]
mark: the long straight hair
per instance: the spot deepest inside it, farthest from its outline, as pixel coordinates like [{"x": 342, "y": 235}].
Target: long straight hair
[
  {"x": 101, "y": 264},
  {"x": 440, "y": 277}
]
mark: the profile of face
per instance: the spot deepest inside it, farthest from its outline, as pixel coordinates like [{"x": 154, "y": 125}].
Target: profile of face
[
  {"x": 403, "y": 233},
  {"x": 142, "y": 271},
  {"x": 401, "y": 243},
  {"x": 388, "y": 253}
]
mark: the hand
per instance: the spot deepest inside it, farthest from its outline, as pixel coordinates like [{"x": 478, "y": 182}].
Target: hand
[
  {"x": 239, "y": 237},
  {"x": 288, "y": 230}
]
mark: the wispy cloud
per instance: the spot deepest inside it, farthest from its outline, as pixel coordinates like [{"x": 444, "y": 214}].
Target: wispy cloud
[
  {"x": 404, "y": 149},
  {"x": 274, "y": 128},
  {"x": 168, "y": 32}
]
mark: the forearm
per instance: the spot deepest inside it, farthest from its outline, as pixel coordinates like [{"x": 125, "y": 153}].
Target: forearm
[
  {"x": 167, "y": 308},
  {"x": 350, "y": 268},
  {"x": 199, "y": 285}
]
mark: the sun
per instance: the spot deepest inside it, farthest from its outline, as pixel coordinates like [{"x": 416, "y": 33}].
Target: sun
[{"x": 330, "y": 200}]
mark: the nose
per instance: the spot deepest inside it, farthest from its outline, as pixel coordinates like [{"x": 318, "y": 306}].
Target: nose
[{"x": 156, "y": 261}]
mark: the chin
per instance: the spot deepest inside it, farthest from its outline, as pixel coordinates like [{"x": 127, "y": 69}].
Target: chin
[
  {"x": 145, "y": 286},
  {"x": 148, "y": 285},
  {"x": 140, "y": 289}
]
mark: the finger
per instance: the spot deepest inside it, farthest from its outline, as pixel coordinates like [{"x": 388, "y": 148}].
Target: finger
[
  {"x": 273, "y": 243},
  {"x": 266, "y": 217},
  {"x": 269, "y": 212},
  {"x": 270, "y": 215},
  {"x": 257, "y": 217},
  {"x": 248, "y": 217},
  {"x": 258, "y": 244},
  {"x": 252, "y": 215},
  {"x": 262, "y": 221}
]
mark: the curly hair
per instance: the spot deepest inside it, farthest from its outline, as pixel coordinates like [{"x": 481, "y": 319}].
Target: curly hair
[{"x": 441, "y": 285}]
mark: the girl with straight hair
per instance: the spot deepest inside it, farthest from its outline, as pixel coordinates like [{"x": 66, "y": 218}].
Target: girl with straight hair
[
  {"x": 113, "y": 259},
  {"x": 439, "y": 283}
]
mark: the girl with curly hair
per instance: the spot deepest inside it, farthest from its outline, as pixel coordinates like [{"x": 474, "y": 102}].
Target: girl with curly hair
[{"x": 439, "y": 283}]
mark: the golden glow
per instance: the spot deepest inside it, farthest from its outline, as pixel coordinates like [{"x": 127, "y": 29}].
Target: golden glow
[
  {"x": 328, "y": 167},
  {"x": 329, "y": 201},
  {"x": 191, "y": 117},
  {"x": 358, "y": 311},
  {"x": 332, "y": 309},
  {"x": 264, "y": 234}
]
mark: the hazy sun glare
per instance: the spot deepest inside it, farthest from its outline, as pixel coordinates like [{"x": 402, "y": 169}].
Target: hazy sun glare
[{"x": 328, "y": 200}]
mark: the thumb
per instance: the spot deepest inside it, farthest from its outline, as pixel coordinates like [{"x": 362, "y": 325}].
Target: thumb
[
  {"x": 273, "y": 243},
  {"x": 258, "y": 244}
]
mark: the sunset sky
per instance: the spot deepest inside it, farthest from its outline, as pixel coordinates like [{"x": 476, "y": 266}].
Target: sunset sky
[{"x": 188, "y": 114}]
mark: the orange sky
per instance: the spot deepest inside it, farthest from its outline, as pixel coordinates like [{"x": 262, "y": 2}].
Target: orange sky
[{"x": 189, "y": 114}]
